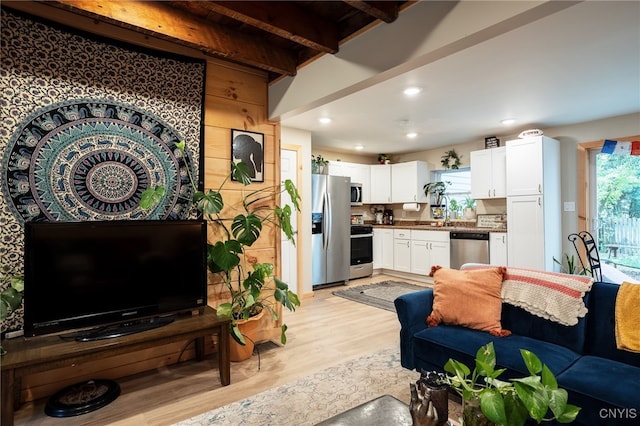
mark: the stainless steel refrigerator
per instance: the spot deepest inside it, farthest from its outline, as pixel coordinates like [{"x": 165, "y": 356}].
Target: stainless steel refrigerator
[{"x": 330, "y": 229}]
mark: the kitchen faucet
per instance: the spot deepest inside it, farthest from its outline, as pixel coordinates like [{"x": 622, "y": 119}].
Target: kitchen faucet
[{"x": 445, "y": 200}]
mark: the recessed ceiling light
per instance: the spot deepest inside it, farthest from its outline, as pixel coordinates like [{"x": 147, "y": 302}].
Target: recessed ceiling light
[
  {"x": 359, "y": 147},
  {"x": 508, "y": 121},
  {"x": 412, "y": 135},
  {"x": 324, "y": 120},
  {"x": 412, "y": 91}
]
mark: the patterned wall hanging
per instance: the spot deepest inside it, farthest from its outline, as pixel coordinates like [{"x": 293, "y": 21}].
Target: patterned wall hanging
[{"x": 87, "y": 124}]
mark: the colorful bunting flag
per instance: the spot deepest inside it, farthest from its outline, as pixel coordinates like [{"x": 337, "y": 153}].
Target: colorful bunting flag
[{"x": 620, "y": 147}]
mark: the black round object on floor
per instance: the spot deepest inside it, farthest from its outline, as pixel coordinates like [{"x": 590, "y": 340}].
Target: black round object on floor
[{"x": 82, "y": 398}]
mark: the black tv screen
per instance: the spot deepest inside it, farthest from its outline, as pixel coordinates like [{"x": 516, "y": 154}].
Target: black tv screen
[{"x": 85, "y": 274}]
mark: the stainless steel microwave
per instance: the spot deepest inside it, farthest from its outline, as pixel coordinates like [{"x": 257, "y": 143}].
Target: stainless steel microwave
[{"x": 356, "y": 194}]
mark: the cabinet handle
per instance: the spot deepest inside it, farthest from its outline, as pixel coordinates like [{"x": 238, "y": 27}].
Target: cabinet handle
[
  {"x": 539, "y": 188},
  {"x": 539, "y": 201},
  {"x": 494, "y": 192},
  {"x": 489, "y": 193}
]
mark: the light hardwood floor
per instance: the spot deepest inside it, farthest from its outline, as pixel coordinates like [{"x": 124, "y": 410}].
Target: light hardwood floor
[{"x": 324, "y": 331}]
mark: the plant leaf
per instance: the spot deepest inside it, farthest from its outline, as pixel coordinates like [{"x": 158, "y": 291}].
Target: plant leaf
[
  {"x": 17, "y": 282},
  {"x": 515, "y": 411},
  {"x": 246, "y": 229},
  {"x": 283, "y": 336},
  {"x": 284, "y": 222},
  {"x": 240, "y": 172},
  {"x": 492, "y": 405},
  {"x": 294, "y": 195},
  {"x": 210, "y": 203},
  {"x": 150, "y": 197},
  {"x": 532, "y": 362},
  {"x": 224, "y": 310},
  {"x": 569, "y": 415},
  {"x": 487, "y": 355},
  {"x": 548, "y": 379},
  {"x": 11, "y": 297},
  {"x": 536, "y": 402},
  {"x": 237, "y": 335},
  {"x": 223, "y": 255},
  {"x": 558, "y": 401}
]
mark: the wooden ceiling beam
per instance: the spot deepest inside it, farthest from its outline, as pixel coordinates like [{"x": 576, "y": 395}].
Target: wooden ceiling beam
[
  {"x": 162, "y": 21},
  {"x": 386, "y": 11},
  {"x": 288, "y": 21}
]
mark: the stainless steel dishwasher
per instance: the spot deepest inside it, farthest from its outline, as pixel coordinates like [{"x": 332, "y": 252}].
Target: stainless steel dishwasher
[{"x": 469, "y": 247}]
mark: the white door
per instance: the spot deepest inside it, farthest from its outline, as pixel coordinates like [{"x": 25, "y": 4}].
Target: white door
[{"x": 289, "y": 256}]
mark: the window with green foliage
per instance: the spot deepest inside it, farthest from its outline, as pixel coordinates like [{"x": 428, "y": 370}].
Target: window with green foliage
[
  {"x": 458, "y": 186},
  {"x": 615, "y": 207}
]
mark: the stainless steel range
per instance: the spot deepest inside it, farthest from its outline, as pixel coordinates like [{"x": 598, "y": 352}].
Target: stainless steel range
[{"x": 361, "y": 251}]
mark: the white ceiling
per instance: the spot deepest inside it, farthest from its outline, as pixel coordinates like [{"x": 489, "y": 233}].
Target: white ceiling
[{"x": 576, "y": 65}]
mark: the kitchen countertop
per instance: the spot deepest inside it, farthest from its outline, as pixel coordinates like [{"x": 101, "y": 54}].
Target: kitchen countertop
[{"x": 430, "y": 227}]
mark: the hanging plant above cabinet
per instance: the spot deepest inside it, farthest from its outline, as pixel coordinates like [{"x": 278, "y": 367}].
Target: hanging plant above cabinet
[{"x": 451, "y": 160}]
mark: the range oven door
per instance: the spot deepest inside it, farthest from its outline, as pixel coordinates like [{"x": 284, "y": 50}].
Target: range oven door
[
  {"x": 361, "y": 249},
  {"x": 361, "y": 254}
]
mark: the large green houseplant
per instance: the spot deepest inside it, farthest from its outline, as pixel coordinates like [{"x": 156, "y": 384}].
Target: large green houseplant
[
  {"x": 511, "y": 403},
  {"x": 252, "y": 286}
]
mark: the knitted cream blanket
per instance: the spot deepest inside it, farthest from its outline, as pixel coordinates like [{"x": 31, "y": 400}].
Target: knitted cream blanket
[{"x": 550, "y": 295}]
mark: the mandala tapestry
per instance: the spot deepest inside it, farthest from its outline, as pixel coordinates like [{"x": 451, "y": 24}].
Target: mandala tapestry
[{"x": 87, "y": 124}]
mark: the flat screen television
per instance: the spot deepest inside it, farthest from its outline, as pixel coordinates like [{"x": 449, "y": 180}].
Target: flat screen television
[{"x": 80, "y": 275}]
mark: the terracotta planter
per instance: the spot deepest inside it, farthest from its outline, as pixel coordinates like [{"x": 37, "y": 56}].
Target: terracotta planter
[{"x": 249, "y": 329}]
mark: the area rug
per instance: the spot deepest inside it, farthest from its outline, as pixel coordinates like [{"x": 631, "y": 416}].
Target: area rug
[
  {"x": 381, "y": 295},
  {"x": 317, "y": 397}
]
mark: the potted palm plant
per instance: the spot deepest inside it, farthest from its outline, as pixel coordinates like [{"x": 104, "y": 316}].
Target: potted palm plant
[
  {"x": 508, "y": 403},
  {"x": 252, "y": 287}
]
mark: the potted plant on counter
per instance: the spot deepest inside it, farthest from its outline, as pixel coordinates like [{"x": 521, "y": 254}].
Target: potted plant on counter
[
  {"x": 437, "y": 190},
  {"x": 509, "y": 403},
  {"x": 252, "y": 287},
  {"x": 469, "y": 208}
]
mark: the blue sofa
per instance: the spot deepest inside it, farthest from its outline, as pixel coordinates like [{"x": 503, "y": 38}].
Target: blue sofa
[{"x": 602, "y": 380}]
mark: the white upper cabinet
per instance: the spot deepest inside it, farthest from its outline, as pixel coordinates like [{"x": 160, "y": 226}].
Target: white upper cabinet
[
  {"x": 489, "y": 173},
  {"x": 407, "y": 182},
  {"x": 380, "y": 184},
  {"x": 359, "y": 173},
  {"x": 530, "y": 163}
]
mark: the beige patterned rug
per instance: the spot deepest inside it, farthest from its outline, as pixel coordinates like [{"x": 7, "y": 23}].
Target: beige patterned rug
[
  {"x": 317, "y": 397},
  {"x": 381, "y": 295}
]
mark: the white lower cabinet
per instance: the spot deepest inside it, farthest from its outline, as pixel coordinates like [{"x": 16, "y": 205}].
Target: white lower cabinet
[
  {"x": 432, "y": 249},
  {"x": 382, "y": 248},
  {"x": 498, "y": 248},
  {"x": 402, "y": 250},
  {"x": 416, "y": 251}
]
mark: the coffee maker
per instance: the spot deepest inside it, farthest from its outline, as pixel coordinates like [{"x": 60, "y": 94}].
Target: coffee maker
[{"x": 387, "y": 218}]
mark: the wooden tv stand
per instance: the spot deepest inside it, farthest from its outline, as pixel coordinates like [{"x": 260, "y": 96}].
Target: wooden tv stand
[{"x": 32, "y": 355}]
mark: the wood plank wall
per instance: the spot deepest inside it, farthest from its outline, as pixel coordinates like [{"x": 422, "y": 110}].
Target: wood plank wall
[{"x": 236, "y": 98}]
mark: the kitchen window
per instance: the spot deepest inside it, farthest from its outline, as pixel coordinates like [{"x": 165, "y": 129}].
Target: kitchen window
[{"x": 458, "y": 183}]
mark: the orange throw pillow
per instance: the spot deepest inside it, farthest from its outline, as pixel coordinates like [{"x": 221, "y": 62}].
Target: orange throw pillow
[{"x": 470, "y": 298}]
